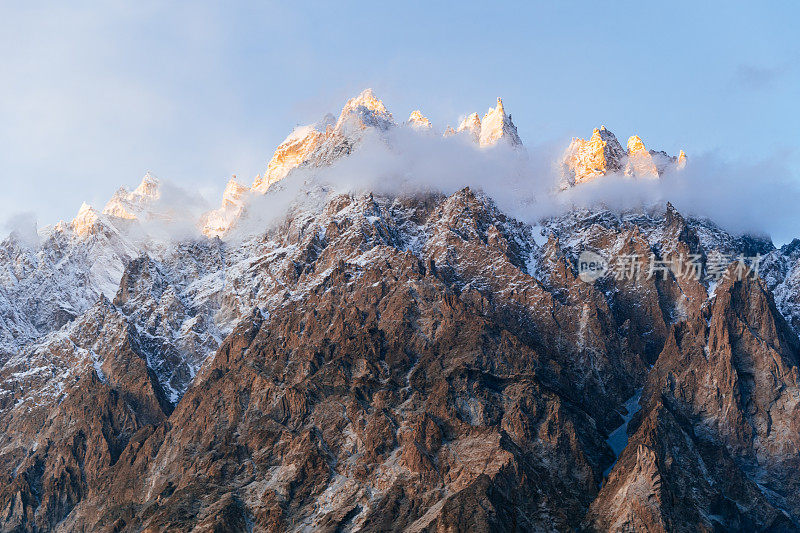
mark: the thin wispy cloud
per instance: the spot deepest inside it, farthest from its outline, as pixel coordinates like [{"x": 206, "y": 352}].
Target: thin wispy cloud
[
  {"x": 757, "y": 77},
  {"x": 23, "y": 227}
]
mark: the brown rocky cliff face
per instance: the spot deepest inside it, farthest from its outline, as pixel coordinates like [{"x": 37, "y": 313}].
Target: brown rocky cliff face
[
  {"x": 73, "y": 440},
  {"x": 414, "y": 364},
  {"x": 402, "y": 392},
  {"x": 720, "y": 426}
]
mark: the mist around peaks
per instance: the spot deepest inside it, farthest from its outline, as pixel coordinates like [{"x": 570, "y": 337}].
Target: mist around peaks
[
  {"x": 22, "y": 227},
  {"x": 742, "y": 197},
  {"x": 366, "y": 151}
]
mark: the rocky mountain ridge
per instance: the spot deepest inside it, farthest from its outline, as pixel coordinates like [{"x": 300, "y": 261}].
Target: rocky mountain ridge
[{"x": 417, "y": 362}]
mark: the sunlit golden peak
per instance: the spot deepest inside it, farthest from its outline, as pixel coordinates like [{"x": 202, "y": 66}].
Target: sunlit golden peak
[
  {"x": 418, "y": 120},
  {"x": 681, "y": 162},
  {"x": 635, "y": 144},
  {"x": 234, "y": 191},
  {"x": 85, "y": 220}
]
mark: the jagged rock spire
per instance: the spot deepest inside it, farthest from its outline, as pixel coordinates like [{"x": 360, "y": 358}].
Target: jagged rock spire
[
  {"x": 233, "y": 192},
  {"x": 635, "y": 144},
  {"x": 640, "y": 162},
  {"x": 681, "y": 162},
  {"x": 496, "y": 125},
  {"x": 86, "y": 220},
  {"x": 585, "y": 160},
  {"x": 219, "y": 221}
]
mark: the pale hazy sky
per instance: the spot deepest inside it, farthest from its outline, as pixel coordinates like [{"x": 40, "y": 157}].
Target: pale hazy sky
[{"x": 93, "y": 94}]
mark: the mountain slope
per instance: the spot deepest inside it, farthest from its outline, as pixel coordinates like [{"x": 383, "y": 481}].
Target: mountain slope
[{"x": 384, "y": 361}]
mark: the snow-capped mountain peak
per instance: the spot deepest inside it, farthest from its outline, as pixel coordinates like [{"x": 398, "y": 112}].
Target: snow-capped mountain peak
[
  {"x": 472, "y": 125},
  {"x": 86, "y": 220},
  {"x": 681, "y": 162},
  {"x": 233, "y": 193},
  {"x": 496, "y": 125},
  {"x": 585, "y": 160},
  {"x": 363, "y": 111},
  {"x": 217, "y": 222},
  {"x": 635, "y": 144},
  {"x": 134, "y": 205},
  {"x": 419, "y": 121},
  {"x": 292, "y": 152},
  {"x": 358, "y": 114},
  {"x": 640, "y": 161},
  {"x": 149, "y": 186}
]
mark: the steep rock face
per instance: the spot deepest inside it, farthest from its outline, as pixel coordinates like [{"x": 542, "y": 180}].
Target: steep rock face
[
  {"x": 363, "y": 111},
  {"x": 719, "y": 434},
  {"x": 328, "y": 139},
  {"x": 472, "y": 126},
  {"x": 421, "y": 422},
  {"x": 640, "y": 161},
  {"x": 69, "y": 417},
  {"x": 670, "y": 479},
  {"x": 495, "y": 127},
  {"x": 781, "y": 272},
  {"x": 87, "y": 221},
  {"x": 473, "y": 244},
  {"x": 644, "y": 304},
  {"x": 51, "y": 284},
  {"x": 291, "y": 153},
  {"x": 585, "y": 160},
  {"x": 471, "y": 379},
  {"x": 681, "y": 162},
  {"x": 421, "y": 362},
  {"x": 175, "y": 336},
  {"x": 315, "y": 145}
]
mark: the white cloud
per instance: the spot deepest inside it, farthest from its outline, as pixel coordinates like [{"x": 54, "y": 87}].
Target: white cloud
[
  {"x": 741, "y": 196},
  {"x": 23, "y": 227}
]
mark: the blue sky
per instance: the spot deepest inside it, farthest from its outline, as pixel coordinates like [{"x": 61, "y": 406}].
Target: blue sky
[{"x": 92, "y": 95}]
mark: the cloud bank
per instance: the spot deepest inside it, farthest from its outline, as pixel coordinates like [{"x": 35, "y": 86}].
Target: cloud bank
[{"x": 759, "y": 197}]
